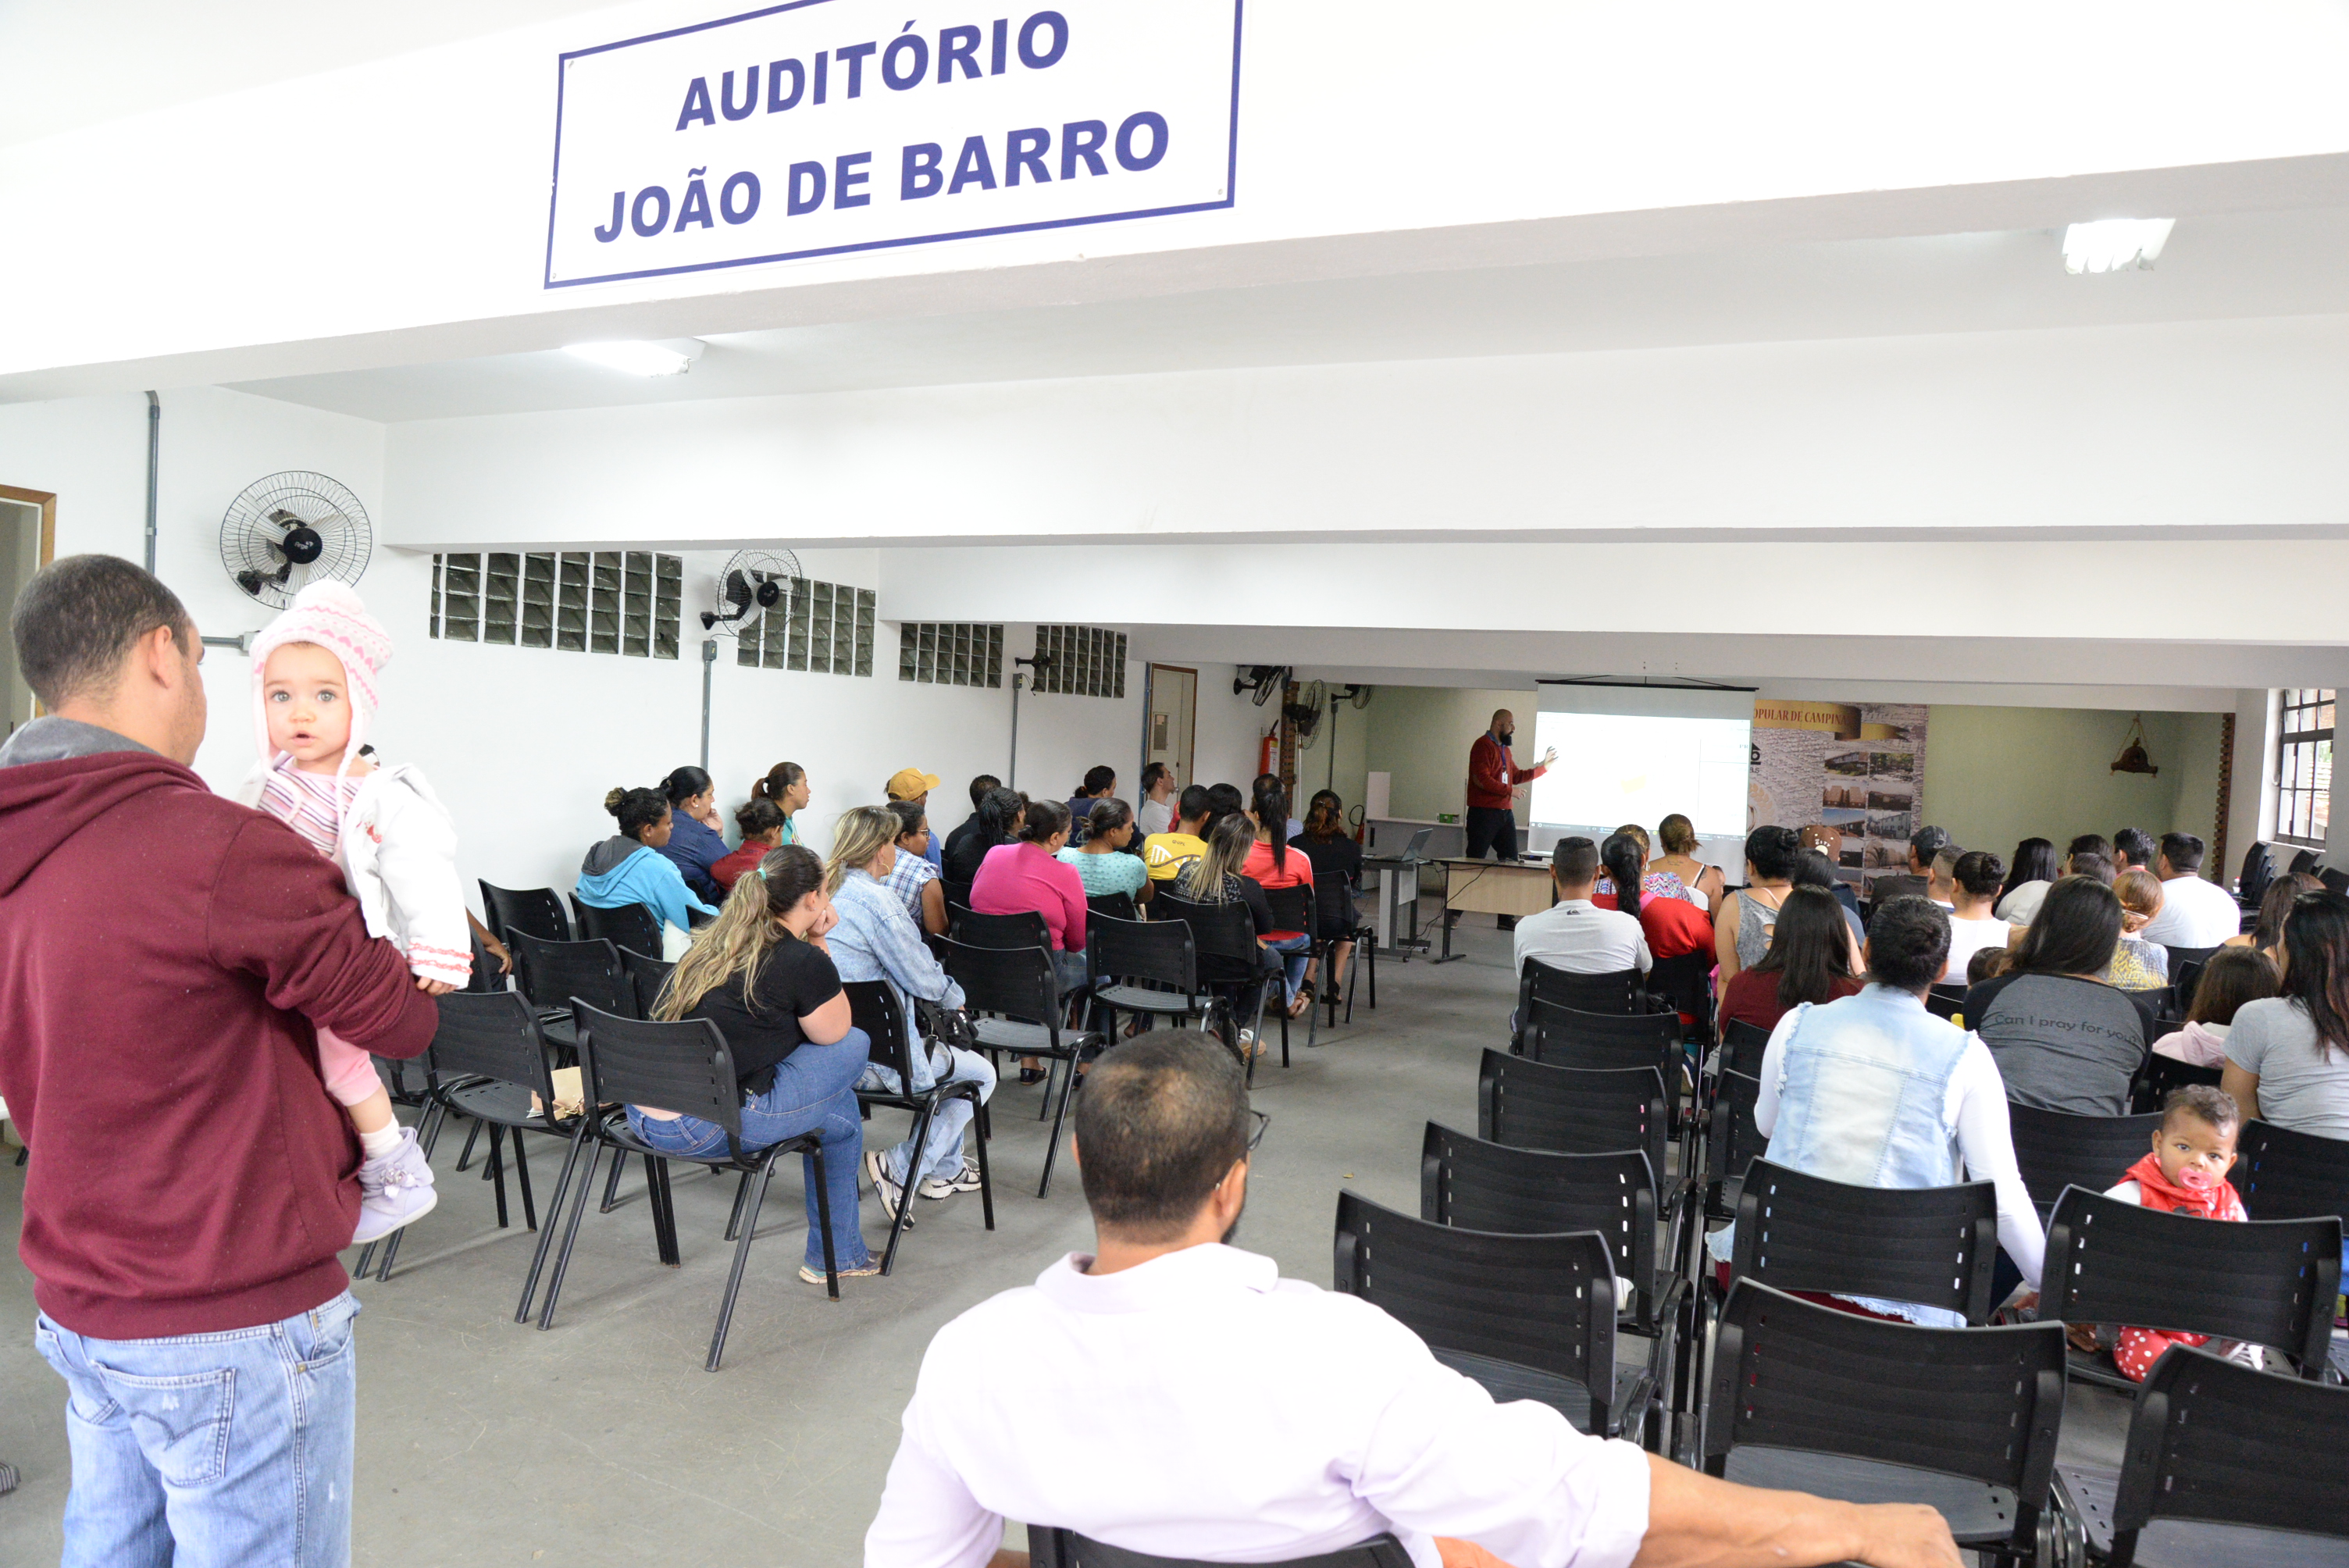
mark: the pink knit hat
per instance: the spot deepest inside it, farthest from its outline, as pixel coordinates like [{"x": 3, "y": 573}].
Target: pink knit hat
[{"x": 331, "y": 615}]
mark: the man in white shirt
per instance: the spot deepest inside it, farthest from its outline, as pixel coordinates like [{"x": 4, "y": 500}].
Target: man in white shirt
[
  {"x": 1574, "y": 933},
  {"x": 1156, "y": 812},
  {"x": 1173, "y": 1395},
  {"x": 1974, "y": 882},
  {"x": 2194, "y": 912}
]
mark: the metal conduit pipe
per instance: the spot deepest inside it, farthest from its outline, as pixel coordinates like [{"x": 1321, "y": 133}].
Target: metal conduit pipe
[{"x": 154, "y": 454}]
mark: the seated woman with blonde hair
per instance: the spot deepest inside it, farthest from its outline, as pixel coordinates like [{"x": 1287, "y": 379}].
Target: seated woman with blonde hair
[{"x": 2138, "y": 965}]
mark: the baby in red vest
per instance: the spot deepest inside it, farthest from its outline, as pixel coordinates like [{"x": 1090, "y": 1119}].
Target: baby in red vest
[{"x": 2186, "y": 1174}]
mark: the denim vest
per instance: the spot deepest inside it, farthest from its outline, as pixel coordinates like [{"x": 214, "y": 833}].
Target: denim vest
[{"x": 1864, "y": 1082}]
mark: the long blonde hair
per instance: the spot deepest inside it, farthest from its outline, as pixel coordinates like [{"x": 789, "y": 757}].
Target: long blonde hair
[
  {"x": 861, "y": 833},
  {"x": 1227, "y": 851},
  {"x": 746, "y": 929}
]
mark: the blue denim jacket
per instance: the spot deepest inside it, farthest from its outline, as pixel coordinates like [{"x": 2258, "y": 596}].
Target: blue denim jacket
[{"x": 876, "y": 940}]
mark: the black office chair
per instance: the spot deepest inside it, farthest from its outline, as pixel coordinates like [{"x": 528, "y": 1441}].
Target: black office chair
[
  {"x": 535, "y": 910},
  {"x": 2197, "y": 955},
  {"x": 1528, "y": 1104},
  {"x": 2258, "y": 870},
  {"x": 2156, "y": 1075},
  {"x": 1148, "y": 968},
  {"x": 686, "y": 1068},
  {"x": 1931, "y": 1246},
  {"x": 1566, "y": 1038},
  {"x": 875, "y": 1010},
  {"x": 1230, "y": 964},
  {"x": 647, "y": 976},
  {"x": 1116, "y": 905},
  {"x": 2226, "y": 1468},
  {"x": 551, "y": 974},
  {"x": 2056, "y": 1150},
  {"x": 1528, "y": 1317},
  {"x": 2285, "y": 1175},
  {"x": 1016, "y": 987},
  {"x": 1025, "y": 929},
  {"x": 1049, "y": 1547},
  {"x": 2184, "y": 979},
  {"x": 631, "y": 925},
  {"x": 1685, "y": 982},
  {"x": 1807, "y": 1398},
  {"x": 1621, "y": 992},
  {"x": 1336, "y": 922},
  {"x": 1743, "y": 1046}
]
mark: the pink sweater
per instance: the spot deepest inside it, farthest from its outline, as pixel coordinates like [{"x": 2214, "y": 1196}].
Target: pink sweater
[{"x": 1019, "y": 877}]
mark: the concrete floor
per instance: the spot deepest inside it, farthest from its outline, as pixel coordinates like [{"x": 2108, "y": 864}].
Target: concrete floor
[{"x": 604, "y": 1442}]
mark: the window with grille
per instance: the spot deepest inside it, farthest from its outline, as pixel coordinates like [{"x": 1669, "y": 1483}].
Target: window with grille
[
  {"x": 606, "y": 601},
  {"x": 950, "y": 653},
  {"x": 823, "y": 627},
  {"x": 1085, "y": 661},
  {"x": 2304, "y": 766}
]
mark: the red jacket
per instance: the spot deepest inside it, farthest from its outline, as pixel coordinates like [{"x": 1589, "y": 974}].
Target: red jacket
[
  {"x": 162, "y": 949},
  {"x": 1492, "y": 773}
]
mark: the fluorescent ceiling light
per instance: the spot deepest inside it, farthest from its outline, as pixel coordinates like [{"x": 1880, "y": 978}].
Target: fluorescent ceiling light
[
  {"x": 671, "y": 356},
  {"x": 2110, "y": 244}
]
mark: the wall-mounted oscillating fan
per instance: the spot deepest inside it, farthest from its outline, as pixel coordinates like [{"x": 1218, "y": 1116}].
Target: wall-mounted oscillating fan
[
  {"x": 754, "y": 582},
  {"x": 291, "y": 530},
  {"x": 1305, "y": 712},
  {"x": 1262, "y": 679}
]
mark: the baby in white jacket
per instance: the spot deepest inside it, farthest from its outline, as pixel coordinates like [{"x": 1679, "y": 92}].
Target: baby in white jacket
[{"x": 314, "y": 675}]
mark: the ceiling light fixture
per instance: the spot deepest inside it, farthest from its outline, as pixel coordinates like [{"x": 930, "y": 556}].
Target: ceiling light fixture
[
  {"x": 670, "y": 357},
  {"x": 2110, "y": 244}
]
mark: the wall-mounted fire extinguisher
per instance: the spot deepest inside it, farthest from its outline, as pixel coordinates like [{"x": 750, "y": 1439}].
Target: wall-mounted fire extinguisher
[{"x": 1268, "y": 754}]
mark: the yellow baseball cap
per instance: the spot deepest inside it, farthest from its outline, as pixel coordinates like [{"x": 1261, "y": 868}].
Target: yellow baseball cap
[{"x": 909, "y": 782}]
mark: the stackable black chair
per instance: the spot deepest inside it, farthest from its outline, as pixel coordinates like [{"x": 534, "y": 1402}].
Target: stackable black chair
[
  {"x": 1049, "y": 1547},
  {"x": 2226, "y": 1468},
  {"x": 1336, "y": 922},
  {"x": 1621, "y": 992},
  {"x": 1945, "y": 1000},
  {"x": 2184, "y": 979},
  {"x": 1743, "y": 1046},
  {"x": 1805, "y": 1397},
  {"x": 1292, "y": 910},
  {"x": 686, "y": 1068},
  {"x": 1230, "y": 964},
  {"x": 537, "y": 911},
  {"x": 647, "y": 976},
  {"x": 1684, "y": 983},
  {"x": 2195, "y": 955},
  {"x": 1932, "y": 1246},
  {"x": 2056, "y": 1150},
  {"x": 1016, "y": 985},
  {"x": 1528, "y": 1104},
  {"x": 487, "y": 977},
  {"x": 551, "y": 974},
  {"x": 1568, "y": 1038},
  {"x": 631, "y": 925},
  {"x": 2285, "y": 1175},
  {"x": 2164, "y": 1001},
  {"x": 1732, "y": 1143},
  {"x": 875, "y": 1010},
  {"x": 1116, "y": 905},
  {"x": 1148, "y": 969},
  {"x": 1026, "y": 929},
  {"x": 2266, "y": 1281},
  {"x": 2156, "y": 1075},
  {"x": 1528, "y": 1317}
]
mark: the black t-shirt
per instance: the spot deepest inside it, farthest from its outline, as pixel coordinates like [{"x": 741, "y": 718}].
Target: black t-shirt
[
  {"x": 965, "y": 847},
  {"x": 795, "y": 979},
  {"x": 2063, "y": 1043}
]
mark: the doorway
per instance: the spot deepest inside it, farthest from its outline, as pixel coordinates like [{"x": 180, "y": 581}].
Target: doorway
[
  {"x": 28, "y": 524},
  {"x": 1170, "y": 719}
]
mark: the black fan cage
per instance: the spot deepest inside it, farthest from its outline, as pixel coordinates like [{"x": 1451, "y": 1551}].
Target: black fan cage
[{"x": 277, "y": 521}]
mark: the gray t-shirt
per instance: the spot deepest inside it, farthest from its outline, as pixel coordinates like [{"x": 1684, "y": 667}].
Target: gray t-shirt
[
  {"x": 2302, "y": 1087},
  {"x": 2061, "y": 1044}
]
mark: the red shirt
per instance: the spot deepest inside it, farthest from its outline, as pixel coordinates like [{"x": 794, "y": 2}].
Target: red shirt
[
  {"x": 1673, "y": 926},
  {"x": 726, "y": 872},
  {"x": 1752, "y": 998},
  {"x": 1297, "y": 873},
  {"x": 1018, "y": 877},
  {"x": 1492, "y": 773}
]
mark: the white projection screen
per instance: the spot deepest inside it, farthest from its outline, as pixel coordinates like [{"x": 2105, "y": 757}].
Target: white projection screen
[{"x": 1637, "y": 753}]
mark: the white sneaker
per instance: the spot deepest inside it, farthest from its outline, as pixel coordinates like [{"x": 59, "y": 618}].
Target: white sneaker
[
  {"x": 892, "y": 1196},
  {"x": 395, "y": 1190},
  {"x": 940, "y": 1187}
]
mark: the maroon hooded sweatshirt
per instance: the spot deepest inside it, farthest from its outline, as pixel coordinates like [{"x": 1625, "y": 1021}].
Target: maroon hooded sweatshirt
[{"x": 162, "y": 955}]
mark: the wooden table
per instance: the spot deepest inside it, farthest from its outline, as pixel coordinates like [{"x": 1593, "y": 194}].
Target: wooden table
[{"x": 1493, "y": 887}]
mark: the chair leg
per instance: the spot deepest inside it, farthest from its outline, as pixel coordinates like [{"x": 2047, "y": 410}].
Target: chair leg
[
  {"x": 906, "y": 1192},
  {"x": 1051, "y": 1065},
  {"x": 1321, "y": 976},
  {"x": 611, "y": 1186},
  {"x": 1052, "y": 1149},
  {"x": 427, "y": 1134},
  {"x": 497, "y": 1169},
  {"x": 741, "y": 1191},
  {"x": 822, "y": 1223},
  {"x": 570, "y": 1234},
  {"x": 734, "y": 1276},
  {"x": 553, "y": 1215},
  {"x": 1369, "y": 952},
  {"x": 985, "y": 1182},
  {"x": 522, "y": 1175},
  {"x": 465, "y": 1155},
  {"x": 657, "y": 1196}
]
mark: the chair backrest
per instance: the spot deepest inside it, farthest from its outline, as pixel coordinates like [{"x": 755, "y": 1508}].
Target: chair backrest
[
  {"x": 1025, "y": 929},
  {"x": 1222, "y": 934},
  {"x": 874, "y": 1007},
  {"x": 1292, "y": 907},
  {"x": 1685, "y": 980},
  {"x": 2270, "y": 1282},
  {"x": 1014, "y": 982},
  {"x": 683, "y": 1067},
  {"x": 2178, "y": 956},
  {"x": 2156, "y": 1075},
  {"x": 1480, "y": 1186},
  {"x": 647, "y": 976},
  {"x": 1156, "y": 951},
  {"x": 1116, "y": 905},
  {"x": 1543, "y": 1302},
  {"x": 2286, "y": 1175},
  {"x": 1528, "y": 1104},
  {"x": 1732, "y": 1141},
  {"x": 1049, "y": 1547},
  {"x": 2184, "y": 979},
  {"x": 1944, "y": 1006},
  {"x": 958, "y": 894},
  {"x": 1332, "y": 907},
  {"x": 1618, "y": 993},
  {"x": 2056, "y": 1149},
  {"x": 1569, "y": 1037},
  {"x": 1743, "y": 1046},
  {"x": 2163, "y": 1000},
  {"x": 2259, "y": 869},
  {"x": 487, "y": 977},
  {"x": 535, "y": 910},
  {"x": 550, "y": 974},
  {"x": 2213, "y": 1441},
  {"x": 492, "y": 1035},
  {"x": 630, "y": 925},
  {"x": 1934, "y": 1246},
  {"x": 1985, "y": 1403}
]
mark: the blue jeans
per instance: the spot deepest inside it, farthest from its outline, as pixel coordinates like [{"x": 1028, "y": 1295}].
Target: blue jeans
[
  {"x": 814, "y": 1090},
  {"x": 211, "y": 1449},
  {"x": 942, "y": 1150},
  {"x": 1295, "y": 952}
]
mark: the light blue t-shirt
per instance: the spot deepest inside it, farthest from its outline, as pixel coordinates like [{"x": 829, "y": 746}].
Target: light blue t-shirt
[{"x": 1114, "y": 872}]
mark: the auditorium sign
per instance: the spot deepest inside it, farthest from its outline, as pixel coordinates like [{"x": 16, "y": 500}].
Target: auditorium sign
[{"x": 828, "y": 126}]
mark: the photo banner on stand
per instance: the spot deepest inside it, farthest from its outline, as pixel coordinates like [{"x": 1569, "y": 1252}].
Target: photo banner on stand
[{"x": 1856, "y": 767}]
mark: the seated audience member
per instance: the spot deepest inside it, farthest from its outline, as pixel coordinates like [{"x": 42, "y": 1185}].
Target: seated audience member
[
  {"x": 2288, "y": 1056},
  {"x": 1156, "y": 812},
  {"x": 2233, "y": 977},
  {"x": 2194, "y": 912},
  {"x": 1337, "y": 863},
  {"x": 2097, "y": 869},
  {"x": 761, "y": 822},
  {"x": 2267, "y": 932},
  {"x": 1813, "y": 869},
  {"x": 2089, "y": 844},
  {"x": 1876, "y": 1091},
  {"x": 2063, "y": 1038},
  {"x": 628, "y": 867},
  {"x": 1678, "y": 835},
  {"x": 1101, "y": 784},
  {"x": 1828, "y": 841},
  {"x": 1973, "y": 885},
  {"x": 911, "y": 787},
  {"x": 786, "y": 784},
  {"x": 2033, "y": 873},
  {"x": 1164, "y": 855},
  {"x": 1988, "y": 963},
  {"x": 2138, "y": 965},
  {"x": 1808, "y": 960},
  {"x": 1214, "y": 877},
  {"x": 1923, "y": 845},
  {"x": 1102, "y": 865},
  {"x": 912, "y": 880},
  {"x": 997, "y": 823},
  {"x": 1940, "y": 877},
  {"x": 980, "y": 788},
  {"x": 1291, "y": 827},
  {"x": 1222, "y": 800},
  {"x": 1025, "y": 874},
  {"x": 1673, "y": 926},
  {"x": 1653, "y": 883},
  {"x": 877, "y": 940},
  {"x": 2132, "y": 847},
  {"x": 762, "y": 976},
  {"x": 1742, "y": 928},
  {"x": 1574, "y": 933},
  {"x": 1271, "y": 864},
  {"x": 1141, "y": 1429},
  {"x": 2185, "y": 1174},
  {"x": 697, "y": 839}
]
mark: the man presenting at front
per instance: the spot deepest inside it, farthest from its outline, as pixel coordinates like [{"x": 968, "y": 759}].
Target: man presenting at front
[
  {"x": 1494, "y": 775},
  {"x": 1184, "y": 1400}
]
